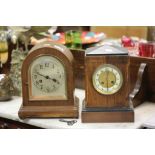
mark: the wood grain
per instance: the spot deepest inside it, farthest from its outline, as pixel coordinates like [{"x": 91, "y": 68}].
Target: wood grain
[
  {"x": 68, "y": 111},
  {"x": 104, "y": 115},
  {"x": 95, "y": 99},
  {"x": 107, "y": 117},
  {"x": 79, "y": 73}
]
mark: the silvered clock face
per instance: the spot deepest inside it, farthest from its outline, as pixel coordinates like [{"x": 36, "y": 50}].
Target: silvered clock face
[
  {"x": 48, "y": 78},
  {"x": 107, "y": 79}
]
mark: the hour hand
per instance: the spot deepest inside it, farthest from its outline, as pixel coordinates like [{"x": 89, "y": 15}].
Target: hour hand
[{"x": 54, "y": 80}]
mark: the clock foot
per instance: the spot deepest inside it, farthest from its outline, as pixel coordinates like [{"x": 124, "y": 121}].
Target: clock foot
[
  {"x": 69, "y": 111},
  {"x": 103, "y": 115}
]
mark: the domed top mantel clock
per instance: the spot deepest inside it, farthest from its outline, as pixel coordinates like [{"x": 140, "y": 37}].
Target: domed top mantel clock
[
  {"x": 107, "y": 85},
  {"x": 48, "y": 83}
]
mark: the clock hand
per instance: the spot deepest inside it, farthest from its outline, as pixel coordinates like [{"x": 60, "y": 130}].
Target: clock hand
[
  {"x": 48, "y": 77},
  {"x": 107, "y": 79},
  {"x": 41, "y": 74},
  {"x": 54, "y": 80}
]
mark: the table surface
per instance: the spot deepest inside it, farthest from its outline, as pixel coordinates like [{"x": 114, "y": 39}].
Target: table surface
[
  {"x": 150, "y": 123},
  {"x": 9, "y": 110}
]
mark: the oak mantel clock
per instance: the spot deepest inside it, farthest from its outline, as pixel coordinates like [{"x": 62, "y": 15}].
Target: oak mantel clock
[
  {"x": 107, "y": 85},
  {"x": 48, "y": 83}
]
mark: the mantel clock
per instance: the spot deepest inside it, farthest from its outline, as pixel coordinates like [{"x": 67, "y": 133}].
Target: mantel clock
[
  {"x": 107, "y": 85},
  {"x": 48, "y": 82}
]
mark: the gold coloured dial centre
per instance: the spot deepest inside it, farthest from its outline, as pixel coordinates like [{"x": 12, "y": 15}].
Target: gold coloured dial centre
[{"x": 107, "y": 79}]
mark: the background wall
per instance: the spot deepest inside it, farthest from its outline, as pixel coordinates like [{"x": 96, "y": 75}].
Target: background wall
[
  {"x": 119, "y": 31},
  {"x": 111, "y": 31}
]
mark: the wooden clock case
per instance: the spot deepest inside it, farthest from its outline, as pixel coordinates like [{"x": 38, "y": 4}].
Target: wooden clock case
[
  {"x": 49, "y": 108},
  {"x": 106, "y": 108}
]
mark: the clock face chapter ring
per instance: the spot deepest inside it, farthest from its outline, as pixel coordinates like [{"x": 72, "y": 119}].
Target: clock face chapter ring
[
  {"x": 48, "y": 76},
  {"x": 107, "y": 79}
]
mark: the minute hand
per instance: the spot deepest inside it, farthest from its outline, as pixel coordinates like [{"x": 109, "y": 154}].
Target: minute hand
[
  {"x": 107, "y": 80},
  {"x": 41, "y": 74}
]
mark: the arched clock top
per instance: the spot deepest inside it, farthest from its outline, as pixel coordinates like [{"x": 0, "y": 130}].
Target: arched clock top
[{"x": 53, "y": 45}]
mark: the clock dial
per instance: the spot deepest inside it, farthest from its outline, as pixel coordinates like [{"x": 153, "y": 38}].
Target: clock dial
[
  {"x": 48, "y": 77},
  {"x": 107, "y": 79}
]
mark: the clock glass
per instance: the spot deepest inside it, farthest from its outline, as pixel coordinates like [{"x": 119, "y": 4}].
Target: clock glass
[
  {"x": 107, "y": 79},
  {"x": 47, "y": 78}
]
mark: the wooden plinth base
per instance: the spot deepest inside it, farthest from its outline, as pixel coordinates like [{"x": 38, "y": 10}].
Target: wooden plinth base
[
  {"x": 68, "y": 111},
  {"x": 102, "y": 115}
]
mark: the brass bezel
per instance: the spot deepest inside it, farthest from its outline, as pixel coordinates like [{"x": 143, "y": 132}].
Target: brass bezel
[{"x": 113, "y": 67}]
